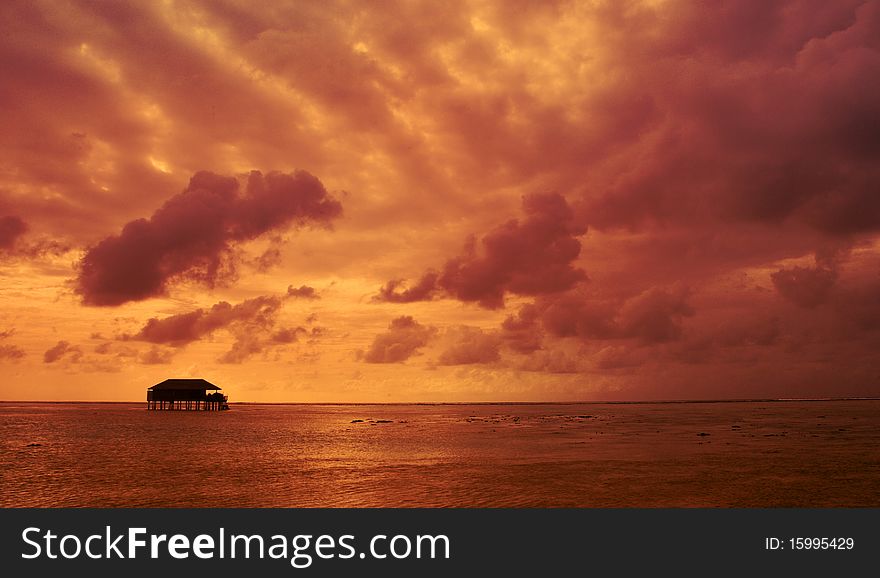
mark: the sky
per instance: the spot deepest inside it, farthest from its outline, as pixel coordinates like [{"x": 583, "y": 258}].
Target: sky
[{"x": 440, "y": 201}]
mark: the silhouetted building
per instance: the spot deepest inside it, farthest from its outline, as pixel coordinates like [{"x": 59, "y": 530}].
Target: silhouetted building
[{"x": 186, "y": 394}]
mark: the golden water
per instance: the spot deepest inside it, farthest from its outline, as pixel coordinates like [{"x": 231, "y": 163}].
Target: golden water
[{"x": 755, "y": 454}]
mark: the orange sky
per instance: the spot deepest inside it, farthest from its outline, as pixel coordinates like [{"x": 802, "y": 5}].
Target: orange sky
[{"x": 440, "y": 201}]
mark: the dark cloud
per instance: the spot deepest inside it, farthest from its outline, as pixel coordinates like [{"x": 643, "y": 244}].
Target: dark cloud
[
  {"x": 12, "y": 243},
  {"x": 289, "y": 334},
  {"x": 250, "y": 322},
  {"x": 522, "y": 333},
  {"x": 471, "y": 345},
  {"x": 43, "y": 247},
  {"x": 269, "y": 258},
  {"x": 700, "y": 142},
  {"x": 655, "y": 315},
  {"x": 532, "y": 256},
  {"x": 551, "y": 361},
  {"x": 652, "y": 316},
  {"x": 59, "y": 350},
  {"x": 303, "y": 292},
  {"x": 404, "y": 337},
  {"x": 184, "y": 328},
  {"x": 11, "y": 229},
  {"x": 579, "y": 315},
  {"x": 103, "y": 348},
  {"x": 11, "y": 352},
  {"x": 192, "y": 235},
  {"x": 108, "y": 348},
  {"x": 806, "y": 287},
  {"x": 761, "y": 332},
  {"x": 619, "y": 358},
  {"x": 392, "y": 291},
  {"x": 769, "y": 113},
  {"x": 529, "y": 257},
  {"x": 716, "y": 343},
  {"x": 859, "y": 305},
  {"x": 622, "y": 327}
]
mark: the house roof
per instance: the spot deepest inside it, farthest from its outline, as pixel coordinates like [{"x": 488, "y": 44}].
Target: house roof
[{"x": 185, "y": 384}]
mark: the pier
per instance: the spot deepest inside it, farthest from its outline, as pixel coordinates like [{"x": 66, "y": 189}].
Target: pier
[{"x": 186, "y": 395}]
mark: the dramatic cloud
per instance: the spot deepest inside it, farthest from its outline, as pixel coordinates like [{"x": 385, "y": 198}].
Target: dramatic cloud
[
  {"x": 691, "y": 157},
  {"x": 405, "y": 336},
  {"x": 768, "y": 130},
  {"x": 192, "y": 234},
  {"x": 529, "y": 257},
  {"x": 303, "y": 292}
]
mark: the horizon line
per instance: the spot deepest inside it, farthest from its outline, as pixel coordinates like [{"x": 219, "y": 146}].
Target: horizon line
[{"x": 545, "y": 402}]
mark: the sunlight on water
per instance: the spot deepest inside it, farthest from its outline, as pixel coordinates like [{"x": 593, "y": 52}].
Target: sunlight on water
[{"x": 687, "y": 454}]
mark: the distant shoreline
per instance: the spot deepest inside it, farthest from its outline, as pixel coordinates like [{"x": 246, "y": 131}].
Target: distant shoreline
[{"x": 487, "y": 403}]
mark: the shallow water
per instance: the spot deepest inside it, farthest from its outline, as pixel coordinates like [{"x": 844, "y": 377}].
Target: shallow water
[{"x": 744, "y": 454}]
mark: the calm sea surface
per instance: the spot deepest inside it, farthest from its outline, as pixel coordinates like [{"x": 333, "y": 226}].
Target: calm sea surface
[{"x": 821, "y": 453}]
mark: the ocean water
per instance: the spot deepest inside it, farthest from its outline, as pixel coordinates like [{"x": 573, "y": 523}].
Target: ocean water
[{"x": 743, "y": 454}]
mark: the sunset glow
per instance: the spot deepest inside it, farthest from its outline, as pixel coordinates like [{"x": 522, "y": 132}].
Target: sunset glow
[{"x": 431, "y": 201}]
